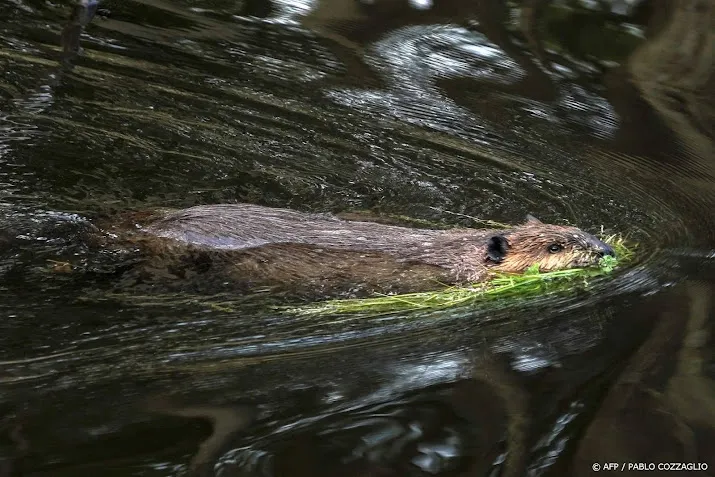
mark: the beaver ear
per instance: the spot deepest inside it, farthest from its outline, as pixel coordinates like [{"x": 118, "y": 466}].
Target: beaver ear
[
  {"x": 530, "y": 219},
  {"x": 497, "y": 247}
]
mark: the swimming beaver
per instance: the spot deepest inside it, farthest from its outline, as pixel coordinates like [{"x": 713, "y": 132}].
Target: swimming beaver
[{"x": 286, "y": 245}]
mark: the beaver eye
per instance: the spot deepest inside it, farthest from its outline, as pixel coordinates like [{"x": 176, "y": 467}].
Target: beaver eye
[{"x": 554, "y": 247}]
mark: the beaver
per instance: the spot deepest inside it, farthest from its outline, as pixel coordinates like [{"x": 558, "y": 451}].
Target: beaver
[{"x": 282, "y": 245}]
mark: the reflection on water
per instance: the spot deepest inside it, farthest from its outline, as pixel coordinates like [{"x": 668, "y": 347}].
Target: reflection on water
[{"x": 597, "y": 114}]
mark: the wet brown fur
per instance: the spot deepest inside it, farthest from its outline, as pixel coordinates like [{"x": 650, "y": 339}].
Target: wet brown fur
[{"x": 278, "y": 245}]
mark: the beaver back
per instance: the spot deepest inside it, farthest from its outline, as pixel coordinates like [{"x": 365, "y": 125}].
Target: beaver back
[{"x": 244, "y": 226}]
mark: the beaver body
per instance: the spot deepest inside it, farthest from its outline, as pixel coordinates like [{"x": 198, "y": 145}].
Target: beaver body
[{"x": 287, "y": 245}]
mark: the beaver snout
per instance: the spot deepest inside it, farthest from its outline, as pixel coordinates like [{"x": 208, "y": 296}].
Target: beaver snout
[{"x": 603, "y": 249}]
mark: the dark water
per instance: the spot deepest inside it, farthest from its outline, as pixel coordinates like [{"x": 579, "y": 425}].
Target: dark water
[{"x": 598, "y": 114}]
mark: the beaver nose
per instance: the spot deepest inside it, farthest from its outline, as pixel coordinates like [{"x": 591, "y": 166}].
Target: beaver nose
[
  {"x": 605, "y": 249},
  {"x": 600, "y": 248}
]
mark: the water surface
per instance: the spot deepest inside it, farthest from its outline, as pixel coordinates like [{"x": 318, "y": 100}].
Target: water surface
[{"x": 596, "y": 114}]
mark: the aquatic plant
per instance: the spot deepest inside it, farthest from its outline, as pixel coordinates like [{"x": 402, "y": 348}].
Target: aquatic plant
[{"x": 500, "y": 286}]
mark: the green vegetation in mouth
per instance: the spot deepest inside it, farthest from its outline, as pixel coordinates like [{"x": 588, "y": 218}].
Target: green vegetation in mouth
[{"x": 502, "y": 286}]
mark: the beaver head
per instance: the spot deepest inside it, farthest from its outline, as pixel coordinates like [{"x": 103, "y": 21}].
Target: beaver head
[{"x": 553, "y": 247}]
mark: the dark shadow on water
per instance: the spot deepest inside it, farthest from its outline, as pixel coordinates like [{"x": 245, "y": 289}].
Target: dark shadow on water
[{"x": 640, "y": 393}]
